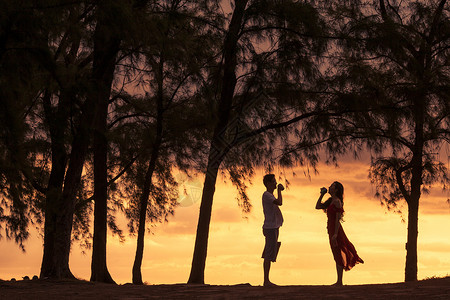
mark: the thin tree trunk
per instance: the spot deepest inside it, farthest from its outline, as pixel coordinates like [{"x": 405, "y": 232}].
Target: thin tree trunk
[
  {"x": 219, "y": 146},
  {"x": 99, "y": 269},
  {"x": 413, "y": 220},
  {"x": 411, "y": 245},
  {"x": 137, "y": 274},
  {"x": 197, "y": 275},
  {"x": 416, "y": 184},
  {"x": 106, "y": 48}
]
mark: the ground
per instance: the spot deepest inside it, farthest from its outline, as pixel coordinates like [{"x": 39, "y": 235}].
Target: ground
[{"x": 437, "y": 288}]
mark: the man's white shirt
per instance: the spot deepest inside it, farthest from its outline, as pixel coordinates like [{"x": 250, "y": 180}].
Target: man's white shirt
[{"x": 272, "y": 213}]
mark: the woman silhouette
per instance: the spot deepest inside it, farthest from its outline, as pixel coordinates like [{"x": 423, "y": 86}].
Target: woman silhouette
[{"x": 344, "y": 252}]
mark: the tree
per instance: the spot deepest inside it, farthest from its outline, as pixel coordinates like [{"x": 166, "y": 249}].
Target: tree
[
  {"x": 74, "y": 49},
  {"x": 80, "y": 99},
  {"x": 19, "y": 84},
  {"x": 107, "y": 39},
  {"x": 68, "y": 95},
  {"x": 174, "y": 57},
  {"x": 267, "y": 68},
  {"x": 48, "y": 39},
  {"x": 397, "y": 65},
  {"x": 66, "y": 101}
]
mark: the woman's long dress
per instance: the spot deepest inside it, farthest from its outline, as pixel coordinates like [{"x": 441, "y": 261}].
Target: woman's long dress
[{"x": 344, "y": 253}]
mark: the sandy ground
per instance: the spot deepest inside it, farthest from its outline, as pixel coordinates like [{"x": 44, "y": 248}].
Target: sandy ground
[{"x": 71, "y": 289}]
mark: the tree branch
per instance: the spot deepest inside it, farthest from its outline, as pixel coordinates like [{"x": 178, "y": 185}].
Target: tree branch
[
  {"x": 81, "y": 203},
  {"x": 33, "y": 182},
  {"x": 121, "y": 118},
  {"x": 436, "y": 17},
  {"x": 401, "y": 185}
]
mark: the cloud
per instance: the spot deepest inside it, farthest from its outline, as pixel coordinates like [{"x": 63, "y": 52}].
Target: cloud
[
  {"x": 227, "y": 215},
  {"x": 184, "y": 221}
]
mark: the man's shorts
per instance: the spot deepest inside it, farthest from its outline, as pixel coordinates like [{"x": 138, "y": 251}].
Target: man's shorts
[{"x": 271, "y": 247}]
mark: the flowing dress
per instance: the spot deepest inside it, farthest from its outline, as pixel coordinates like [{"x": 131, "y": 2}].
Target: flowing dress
[{"x": 344, "y": 253}]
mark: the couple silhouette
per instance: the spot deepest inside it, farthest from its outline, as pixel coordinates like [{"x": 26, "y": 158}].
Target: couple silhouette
[{"x": 344, "y": 253}]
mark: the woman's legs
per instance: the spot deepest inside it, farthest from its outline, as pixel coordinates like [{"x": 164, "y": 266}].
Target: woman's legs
[{"x": 339, "y": 271}]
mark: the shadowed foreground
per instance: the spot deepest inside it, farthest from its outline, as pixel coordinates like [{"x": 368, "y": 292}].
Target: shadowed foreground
[{"x": 48, "y": 289}]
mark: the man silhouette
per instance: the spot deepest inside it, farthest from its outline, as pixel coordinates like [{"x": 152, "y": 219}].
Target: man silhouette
[{"x": 273, "y": 219}]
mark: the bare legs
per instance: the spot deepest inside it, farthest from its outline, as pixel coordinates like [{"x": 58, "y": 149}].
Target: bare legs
[
  {"x": 339, "y": 271},
  {"x": 266, "y": 267}
]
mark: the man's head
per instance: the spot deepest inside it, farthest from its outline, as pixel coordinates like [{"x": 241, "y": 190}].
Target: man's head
[{"x": 269, "y": 181}]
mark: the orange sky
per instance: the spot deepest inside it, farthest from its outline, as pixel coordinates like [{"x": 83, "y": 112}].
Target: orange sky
[{"x": 236, "y": 243}]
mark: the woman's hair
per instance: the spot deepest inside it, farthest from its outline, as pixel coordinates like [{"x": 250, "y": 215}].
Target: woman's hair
[
  {"x": 339, "y": 191},
  {"x": 340, "y": 194}
]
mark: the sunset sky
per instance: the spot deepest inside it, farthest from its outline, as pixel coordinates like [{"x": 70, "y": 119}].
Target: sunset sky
[{"x": 236, "y": 240}]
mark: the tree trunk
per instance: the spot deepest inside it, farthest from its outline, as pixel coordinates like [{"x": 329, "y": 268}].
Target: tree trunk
[
  {"x": 55, "y": 262},
  {"x": 57, "y": 124},
  {"x": 411, "y": 245},
  {"x": 99, "y": 269},
  {"x": 197, "y": 275},
  {"x": 137, "y": 275},
  {"x": 49, "y": 265},
  {"x": 413, "y": 220},
  {"x": 219, "y": 146},
  {"x": 106, "y": 48},
  {"x": 416, "y": 184}
]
